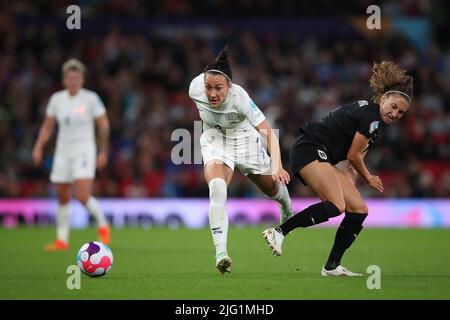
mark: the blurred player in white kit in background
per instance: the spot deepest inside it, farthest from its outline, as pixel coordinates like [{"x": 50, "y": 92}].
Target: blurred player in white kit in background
[{"x": 75, "y": 109}]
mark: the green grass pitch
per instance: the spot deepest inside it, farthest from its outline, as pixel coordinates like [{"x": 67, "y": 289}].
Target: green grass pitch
[{"x": 160, "y": 263}]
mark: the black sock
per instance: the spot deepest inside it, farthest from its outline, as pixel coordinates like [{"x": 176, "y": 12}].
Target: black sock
[
  {"x": 346, "y": 234},
  {"x": 315, "y": 214}
]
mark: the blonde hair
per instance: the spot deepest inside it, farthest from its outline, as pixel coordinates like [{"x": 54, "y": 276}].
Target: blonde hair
[
  {"x": 73, "y": 65},
  {"x": 389, "y": 78}
]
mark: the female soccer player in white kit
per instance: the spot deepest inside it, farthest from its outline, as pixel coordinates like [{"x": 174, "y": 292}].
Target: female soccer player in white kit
[
  {"x": 231, "y": 139},
  {"x": 75, "y": 109}
]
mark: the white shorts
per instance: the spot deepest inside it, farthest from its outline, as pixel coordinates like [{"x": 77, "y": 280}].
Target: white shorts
[
  {"x": 242, "y": 149},
  {"x": 67, "y": 168}
]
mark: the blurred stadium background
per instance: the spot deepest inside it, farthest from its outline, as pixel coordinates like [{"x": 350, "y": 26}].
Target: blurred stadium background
[{"x": 297, "y": 59}]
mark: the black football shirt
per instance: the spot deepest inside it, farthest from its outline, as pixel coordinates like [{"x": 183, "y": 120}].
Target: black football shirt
[{"x": 337, "y": 130}]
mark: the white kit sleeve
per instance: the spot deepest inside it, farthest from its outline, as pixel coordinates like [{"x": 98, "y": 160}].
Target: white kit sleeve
[
  {"x": 98, "y": 108},
  {"x": 250, "y": 110}
]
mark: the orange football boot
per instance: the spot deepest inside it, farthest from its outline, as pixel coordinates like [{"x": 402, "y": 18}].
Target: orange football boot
[
  {"x": 103, "y": 235},
  {"x": 57, "y": 245}
]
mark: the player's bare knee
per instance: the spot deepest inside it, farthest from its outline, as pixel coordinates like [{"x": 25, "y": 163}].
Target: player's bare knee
[
  {"x": 82, "y": 197},
  {"x": 271, "y": 190},
  {"x": 361, "y": 208},
  {"x": 218, "y": 190},
  {"x": 63, "y": 197}
]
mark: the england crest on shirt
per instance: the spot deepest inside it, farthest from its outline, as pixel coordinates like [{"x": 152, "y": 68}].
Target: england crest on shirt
[{"x": 374, "y": 126}]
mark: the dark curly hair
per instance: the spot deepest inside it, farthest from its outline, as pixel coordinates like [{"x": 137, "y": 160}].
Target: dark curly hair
[{"x": 387, "y": 76}]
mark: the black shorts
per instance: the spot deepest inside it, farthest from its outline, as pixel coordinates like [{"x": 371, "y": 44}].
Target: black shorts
[{"x": 304, "y": 151}]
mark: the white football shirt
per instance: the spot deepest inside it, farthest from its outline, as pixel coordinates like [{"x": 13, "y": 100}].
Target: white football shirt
[
  {"x": 75, "y": 116},
  {"x": 238, "y": 111}
]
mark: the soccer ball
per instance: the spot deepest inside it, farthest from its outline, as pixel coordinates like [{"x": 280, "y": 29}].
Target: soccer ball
[{"x": 95, "y": 259}]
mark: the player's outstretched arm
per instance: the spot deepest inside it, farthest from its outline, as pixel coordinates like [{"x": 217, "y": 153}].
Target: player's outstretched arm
[
  {"x": 45, "y": 132},
  {"x": 273, "y": 146}
]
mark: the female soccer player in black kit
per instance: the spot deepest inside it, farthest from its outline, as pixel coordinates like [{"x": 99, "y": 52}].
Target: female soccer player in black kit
[{"x": 345, "y": 134}]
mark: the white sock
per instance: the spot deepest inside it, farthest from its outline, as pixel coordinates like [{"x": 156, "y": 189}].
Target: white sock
[
  {"x": 218, "y": 218},
  {"x": 94, "y": 209},
  {"x": 283, "y": 198},
  {"x": 63, "y": 222}
]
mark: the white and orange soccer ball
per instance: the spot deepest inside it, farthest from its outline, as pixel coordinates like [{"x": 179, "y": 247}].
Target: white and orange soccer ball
[{"x": 95, "y": 259}]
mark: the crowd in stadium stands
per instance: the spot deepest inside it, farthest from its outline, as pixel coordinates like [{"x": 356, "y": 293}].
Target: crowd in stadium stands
[{"x": 143, "y": 80}]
